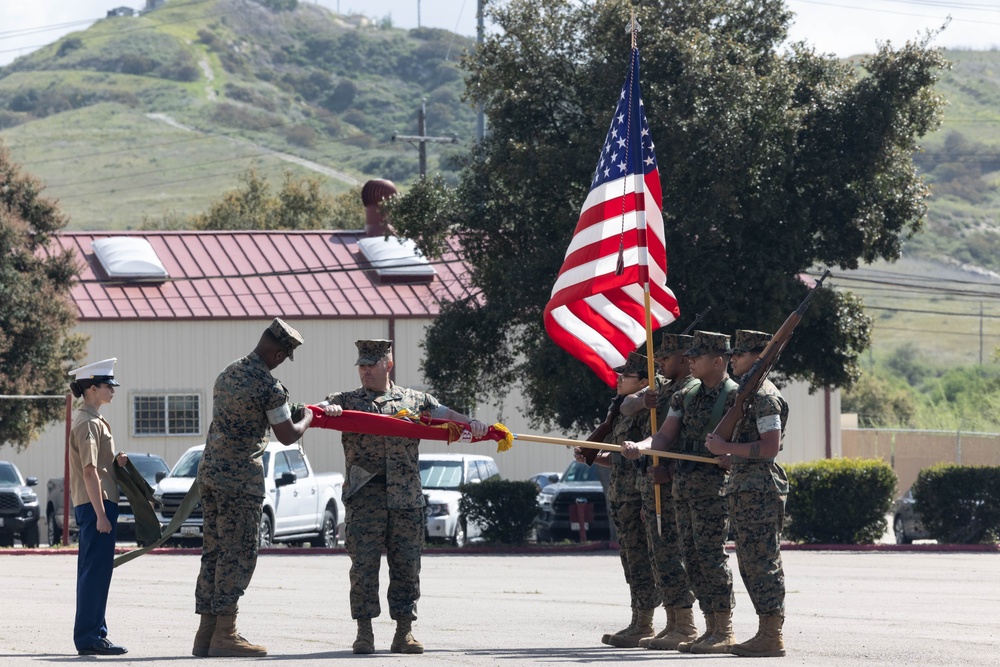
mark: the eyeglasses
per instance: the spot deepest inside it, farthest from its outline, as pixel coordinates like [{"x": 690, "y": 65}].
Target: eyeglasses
[{"x": 628, "y": 375}]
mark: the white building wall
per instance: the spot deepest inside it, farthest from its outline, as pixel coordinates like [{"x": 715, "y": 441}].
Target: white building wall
[{"x": 185, "y": 357}]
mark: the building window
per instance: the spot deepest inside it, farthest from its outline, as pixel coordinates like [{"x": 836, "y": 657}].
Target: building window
[{"x": 167, "y": 414}]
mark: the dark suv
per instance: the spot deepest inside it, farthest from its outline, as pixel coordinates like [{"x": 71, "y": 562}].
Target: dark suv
[
  {"x": 18, "y": 507},
  {"x": 579, "y": 484}
]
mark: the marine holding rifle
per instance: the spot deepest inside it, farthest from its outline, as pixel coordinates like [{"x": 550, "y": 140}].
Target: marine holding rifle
[
  {"x": 699, "y": 489},
  {"x": 625, "y": 506},
  {"x": 664, "y": 544},
  {"x": 757, "y": 490}
]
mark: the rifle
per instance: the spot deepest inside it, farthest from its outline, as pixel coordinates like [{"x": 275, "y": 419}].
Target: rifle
[
  {"x": 602, "y": 430},
  {"x": 732, "y": 423}
]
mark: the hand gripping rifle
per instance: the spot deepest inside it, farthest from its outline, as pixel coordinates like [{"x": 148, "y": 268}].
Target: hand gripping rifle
[
  {"x": 603, "y": 429},
  {"x": 732, "y": 423}
]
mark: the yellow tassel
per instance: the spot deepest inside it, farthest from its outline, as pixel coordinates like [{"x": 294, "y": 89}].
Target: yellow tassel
[{"x": 508, "y": 438}]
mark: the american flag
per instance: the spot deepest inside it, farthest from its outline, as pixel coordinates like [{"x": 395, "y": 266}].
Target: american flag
[{"x": 596, "y": 314}]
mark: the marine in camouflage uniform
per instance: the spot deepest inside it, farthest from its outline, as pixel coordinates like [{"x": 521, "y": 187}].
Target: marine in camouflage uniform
[
  {"x": 699, "y": 488},
  {"x": 757, "y": 490},
  {"x": 664, "y": 541},
  {"x": 383, "y": 497},
  {"x": 246, "y": 401},
  {"x": 625, "y": 507}
]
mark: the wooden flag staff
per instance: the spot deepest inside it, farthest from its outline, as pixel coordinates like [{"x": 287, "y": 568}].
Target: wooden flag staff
[{"x": 567, "y": 442}]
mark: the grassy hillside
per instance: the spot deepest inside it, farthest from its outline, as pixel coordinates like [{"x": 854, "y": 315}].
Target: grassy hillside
[
  {"x": 162, "y": 112},
  {"x": 158, "y": 115}
]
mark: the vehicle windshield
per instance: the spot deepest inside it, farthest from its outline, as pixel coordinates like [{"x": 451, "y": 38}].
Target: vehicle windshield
[
  {"x": 440, "y": 474},
  {"x": 148, "y": 466},
  {"x": 579, "y": 472},
  {"x": 8, "y": 475},
  {"x": 188, "y": 465}
]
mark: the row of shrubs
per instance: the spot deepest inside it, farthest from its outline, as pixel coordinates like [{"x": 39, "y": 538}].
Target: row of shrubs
[{"x": 834, "y": 501}]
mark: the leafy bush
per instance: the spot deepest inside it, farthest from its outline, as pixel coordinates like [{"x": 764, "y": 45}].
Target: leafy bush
[
  {"x": 959, "y": 504},
  {"x": 505, "y": 509},
  {"x": 839, "y": 501}
]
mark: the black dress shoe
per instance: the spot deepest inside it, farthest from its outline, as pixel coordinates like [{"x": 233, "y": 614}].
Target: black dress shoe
[{"x": 103, "y": 647}]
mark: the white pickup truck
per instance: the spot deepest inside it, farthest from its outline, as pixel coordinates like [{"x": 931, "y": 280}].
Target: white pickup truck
[{"x": 299, "y": 505}]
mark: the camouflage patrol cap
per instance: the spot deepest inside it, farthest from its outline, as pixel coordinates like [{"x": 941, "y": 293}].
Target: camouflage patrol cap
[
  {"x": 636, "y": 363},
  {"x": 671, "y": 344},
  {"x": 749, "y": 341},
  {"x": 708, "y": 342},
  {"x": 372, "y": 350},
  {"x": 286, "y": 336}
]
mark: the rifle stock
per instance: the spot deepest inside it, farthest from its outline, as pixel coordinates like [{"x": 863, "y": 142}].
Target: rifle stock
[
  {"x": 731, "y": 424},
  {"x": 603, "y": 430}
]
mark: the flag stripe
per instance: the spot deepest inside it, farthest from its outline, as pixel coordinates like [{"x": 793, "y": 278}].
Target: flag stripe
[{"x": 594, "y": 314}]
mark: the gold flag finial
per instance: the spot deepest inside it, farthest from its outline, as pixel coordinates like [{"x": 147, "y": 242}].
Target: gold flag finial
[{"x": 633, "y": 28}]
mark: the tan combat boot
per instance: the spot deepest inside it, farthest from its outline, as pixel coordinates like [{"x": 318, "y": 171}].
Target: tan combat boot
[
  {"x": 403, "y": 641},
  {"x": 227, "y": 642},
  {"x": 644, "y": 642},
  {"x": 643, "y": 628},
  {"x": 685, "y": 647},
  {"x": 721, "y": 639},
  {"x": 767, "y": 643},
  {"x": 606, "y": 639},
  {"x": 203, "y": 638},
  {"x": 365, "y": 641},
  {"x": 684, "y": 630}
]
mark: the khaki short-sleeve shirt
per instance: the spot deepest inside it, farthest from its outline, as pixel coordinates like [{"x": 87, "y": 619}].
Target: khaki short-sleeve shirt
[{"x": 91, "y": 443}]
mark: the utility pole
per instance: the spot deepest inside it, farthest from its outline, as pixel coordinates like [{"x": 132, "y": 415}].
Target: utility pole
[
  {"x": 422, "y": 139},
  {"x": 480, "y": 34}
]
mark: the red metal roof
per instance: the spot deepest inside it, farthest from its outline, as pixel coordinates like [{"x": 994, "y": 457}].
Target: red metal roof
[{"x": 256, "y": 275}]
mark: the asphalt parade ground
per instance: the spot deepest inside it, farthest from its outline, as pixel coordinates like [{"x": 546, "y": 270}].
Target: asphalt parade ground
[{"x": 844, "y": 609}]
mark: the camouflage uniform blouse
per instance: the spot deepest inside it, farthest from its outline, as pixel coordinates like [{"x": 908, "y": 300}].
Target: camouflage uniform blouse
[
  {"x": 696, "y": 415},
  {"x": 623, "y": 483},
  {"x": 246, "y": 400},
  {"x": 762, "y": 474},
  {"x": 395, "y": 457}
]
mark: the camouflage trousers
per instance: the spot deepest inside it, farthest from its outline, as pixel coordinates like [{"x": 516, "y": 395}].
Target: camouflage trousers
[
  {"x": 634, "y": 553},
  {"x": 757, "y": 521},
  {"x": 665, "y": 547},
  {"x": 370, "y": 527},
  {"x": 703, "y": 527},
  {"x": 229, "y": 550}
]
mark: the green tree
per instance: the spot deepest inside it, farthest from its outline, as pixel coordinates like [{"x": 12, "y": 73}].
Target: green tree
[
  {"x": 773, "y": 161},
  {"x": 881, "y": 402},
  {"x": 299, "y": 205},
  {"x": 36, "y": 316}
]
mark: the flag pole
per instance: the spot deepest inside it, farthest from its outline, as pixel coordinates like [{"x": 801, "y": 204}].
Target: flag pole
[
  {"x": 607, "y": 447},
  {"x": 633, "y": 28}
]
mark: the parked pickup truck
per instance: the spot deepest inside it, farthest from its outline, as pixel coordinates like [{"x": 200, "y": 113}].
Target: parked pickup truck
[
  {"x": 579, "y": 484},
  {"x": 18, "y": 507},
  {"x": 150, "y": 466},
  {"x": 299, "y": 505}
]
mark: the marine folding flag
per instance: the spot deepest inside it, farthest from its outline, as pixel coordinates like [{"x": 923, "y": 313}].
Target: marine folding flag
[
  {"x": 597, "y": 313},
  {"x": 408, "y": 425}
]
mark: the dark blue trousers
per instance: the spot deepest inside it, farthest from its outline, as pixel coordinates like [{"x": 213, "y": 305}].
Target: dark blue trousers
[{"x": 93, "y": 573}]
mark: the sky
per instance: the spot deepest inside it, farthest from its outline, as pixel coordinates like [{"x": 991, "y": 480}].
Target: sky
[{"x": 841, "y": 27}]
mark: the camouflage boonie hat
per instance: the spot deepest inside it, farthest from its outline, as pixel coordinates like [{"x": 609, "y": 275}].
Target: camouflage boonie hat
[
  {"x": 671, "y": 344},
  {"x": 708, "y": 342},
  {"x": 371, "y": 351},
  {"x": 749, "y": 341},
  {"x": 286, "y": 336},
  {"x": 636, "y": 363}
]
